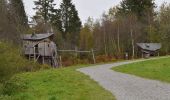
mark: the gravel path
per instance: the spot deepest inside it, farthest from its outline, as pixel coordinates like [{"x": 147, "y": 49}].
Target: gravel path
[{"x": 127, "y": 87}]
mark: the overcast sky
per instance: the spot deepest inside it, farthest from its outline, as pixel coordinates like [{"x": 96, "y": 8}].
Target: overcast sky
[{"x": 86, "y": 8}]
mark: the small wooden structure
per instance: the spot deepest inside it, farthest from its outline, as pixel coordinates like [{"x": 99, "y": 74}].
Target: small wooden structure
[
  {"x": 40, "y": 48},
  {"x": 149, "y": 49}
]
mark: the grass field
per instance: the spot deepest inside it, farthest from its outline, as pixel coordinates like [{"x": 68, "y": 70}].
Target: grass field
[
  {"x": 153, "y": 69},
  {"x": 54, "y": 84},
  {"x": 61, "y": 84}
]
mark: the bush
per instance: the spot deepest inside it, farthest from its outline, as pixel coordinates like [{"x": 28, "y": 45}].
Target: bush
[
  {"x": 5, "y": 97},
  {"x": 11, "y": 62},
  {"x": 1, "y": 89},
  {"x": 104, "y": 58},
  {"x": 68, "y": 61},
  {"x": 14, "y": 85},
  {"x": 83, "y": 61},
  {"x": 72, "y": 60},
  {"x": 45, "y": 66}
]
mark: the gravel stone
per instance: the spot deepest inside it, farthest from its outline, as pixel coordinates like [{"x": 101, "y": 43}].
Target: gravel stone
[{"x": 125, "y": 86}]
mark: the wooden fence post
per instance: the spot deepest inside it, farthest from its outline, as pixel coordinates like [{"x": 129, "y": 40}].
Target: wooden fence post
[
  {"x": 94, "y": 60},
  {"x": 61, "y": 62}
]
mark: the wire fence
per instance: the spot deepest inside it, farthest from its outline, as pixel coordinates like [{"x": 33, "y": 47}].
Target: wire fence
[{"x": 76, "y": 51}]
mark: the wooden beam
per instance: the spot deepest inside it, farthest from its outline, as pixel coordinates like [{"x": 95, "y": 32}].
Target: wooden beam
[{"x": 94, "y": 60}]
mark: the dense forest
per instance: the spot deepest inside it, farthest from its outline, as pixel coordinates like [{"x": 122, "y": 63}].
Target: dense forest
[
  {"x": 111, "y": 36},
  {"x": 123, "y": 26}
]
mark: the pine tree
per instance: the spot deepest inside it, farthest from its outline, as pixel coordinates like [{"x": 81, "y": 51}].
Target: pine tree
[
  {"x": 17, "y": 10},
  {"x": 3, "y": 16},
  {"x": 2, "y": 4},
  {"x": 9, "y": 28},
  {"x": 138, "y": 7},
  {"x": 144, "y": 10},
  {"x": 55, "y": 19},
  {"x": 71, "y": 23},
  {"x": 44, "y": 9}
]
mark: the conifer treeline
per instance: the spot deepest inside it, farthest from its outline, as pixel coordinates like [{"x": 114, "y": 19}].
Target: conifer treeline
[
  {"x": 120, "y": 28},
  {"x": 115, "y": 33},
  {"x": 64, "y": 20}
]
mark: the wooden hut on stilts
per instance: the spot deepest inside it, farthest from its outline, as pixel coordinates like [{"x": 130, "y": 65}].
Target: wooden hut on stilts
[{"x": 40, "y": 48}]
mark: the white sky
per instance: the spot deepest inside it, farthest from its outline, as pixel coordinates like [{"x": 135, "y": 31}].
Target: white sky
[{"x": 86, "y": 8}]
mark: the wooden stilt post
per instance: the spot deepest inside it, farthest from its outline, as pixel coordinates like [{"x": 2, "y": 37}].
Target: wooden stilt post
[
  {"x": 44, "y": 54},
  {"x": 94, "y": 60},
  {"x": 34, "y": 55},
  {"x": 61, "y": 62}
]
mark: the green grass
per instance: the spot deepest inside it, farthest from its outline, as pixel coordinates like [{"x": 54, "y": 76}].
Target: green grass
[
  {"x": 61, "y": 84},
  {"x": 158, "y": 69},
  {"x": 53, "y": 84}
]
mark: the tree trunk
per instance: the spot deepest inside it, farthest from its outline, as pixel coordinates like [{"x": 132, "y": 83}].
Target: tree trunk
[
  {"x": 133, "y": 45},
  {"x": 118, "y": 39},
  {"x": 105, "y": 46}
]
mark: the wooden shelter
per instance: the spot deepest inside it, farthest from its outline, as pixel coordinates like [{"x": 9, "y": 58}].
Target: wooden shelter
[
  {"x": 149, "y": 49},
  {"x": 40, "y": 48}
]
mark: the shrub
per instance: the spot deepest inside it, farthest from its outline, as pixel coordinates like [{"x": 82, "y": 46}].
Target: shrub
[
  {"x": 5, "y": 97},
  {"x": 83, "y": 61},
  {"x": 14, "y": 85},
  {"x": 11, "y": 62},
  {"x": 104, "y": 58},
  {"x": 68, "y": 60},
  {"x": 1, "y": 89},
  {"x": 45, "y": 66}
]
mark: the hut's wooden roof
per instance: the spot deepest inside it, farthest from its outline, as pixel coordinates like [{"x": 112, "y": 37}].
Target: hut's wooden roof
[
  {"x": 36, "y": 37},
  {"x": 150, "y": 46}
]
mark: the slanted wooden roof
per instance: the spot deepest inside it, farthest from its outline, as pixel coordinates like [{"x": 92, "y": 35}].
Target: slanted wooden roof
[
  {"x": 150, "y": 46},
  {"x": 36, "y": 37}
]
